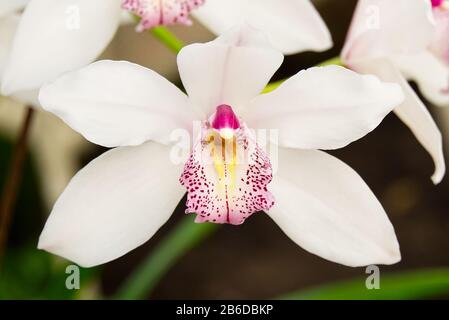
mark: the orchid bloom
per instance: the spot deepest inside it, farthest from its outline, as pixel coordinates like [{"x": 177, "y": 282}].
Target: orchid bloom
[
  {"x": 9, "y": 20},
  {"x": 56, "y": 36},
  {"x": 119, "y": 200},
  {"x": 400, "y": 40},
  {"x": 35, "y": 47},
  {"x": 49, "y": 38},
  {"x": 292, "y": 26}
]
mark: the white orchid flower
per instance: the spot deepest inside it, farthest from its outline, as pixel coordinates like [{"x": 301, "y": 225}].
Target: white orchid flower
[
  {"x": 9, "y": 20},
  {"x": 52, "y": 37},
  {"x": 56, "y": 36},
  {"x": 40, "y": 40},
  {"x": 119, "y": 200},
  {"x": 399, "y": 40},
  {"x": 292, "y": 26}
]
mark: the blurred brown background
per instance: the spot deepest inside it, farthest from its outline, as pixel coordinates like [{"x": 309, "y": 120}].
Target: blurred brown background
[{"x": 256, "y": 260}]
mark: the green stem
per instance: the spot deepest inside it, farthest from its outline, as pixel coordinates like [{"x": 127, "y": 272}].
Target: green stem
[
  {"x": 186, "y": 235},
  {"x": 333, "y": 61},
  {"x": 12, "y": 183},
  {"x": 167, "y": 38},
  {"x": 183, "y": 238}
]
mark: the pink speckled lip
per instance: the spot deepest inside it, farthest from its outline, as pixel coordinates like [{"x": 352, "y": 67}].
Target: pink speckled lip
[
  {"x": 161, "y": 12},
  {"x": 225, "y": 118},
  {"x": 227, "y": 180}
]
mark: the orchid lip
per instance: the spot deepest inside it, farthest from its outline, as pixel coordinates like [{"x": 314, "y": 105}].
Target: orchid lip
[
  {"x": 161, "y": 12},
  {"x": 227, "y": 179}
]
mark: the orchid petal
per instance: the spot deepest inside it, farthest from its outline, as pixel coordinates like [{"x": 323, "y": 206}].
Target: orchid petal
[
  {"x": 440, "y": 44},
  {"x": 382, "y": 28},
  {"x": 324, "y": 107},
  {"x": 230, "y": 70},
  {"x": 412, "y": 112},
  {"x": 56, "y": 36},
  {"x": 118, "y": 103},
  {"x": 430, "y": 73},
  {"x": 291, "y": 25},
  {"x": 334, "y": 213},
  {"x": 113, "y": 205},
  {"x": 8, "y": 27},
  {"x": 28, "y": 98}
]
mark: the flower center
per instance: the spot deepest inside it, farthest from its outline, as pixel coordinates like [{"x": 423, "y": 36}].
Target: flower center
[
  {"x": 437, "y": 3},
  {"x": 161, "y": 12},
  {"x": 227, "y": 174},
  {"x": 225, "y": 122}
]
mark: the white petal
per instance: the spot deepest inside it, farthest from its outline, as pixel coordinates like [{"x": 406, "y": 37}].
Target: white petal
[
  {"x": 118, "y": 103},
  {"x": 113, "y": 205},
  {"x": 440, "y": 44},
  {"x": 231, "y": 70},
  {"x": 10, "y": 6},
  {"x": 8, "y": 27},
  {"x": 291, "y": 25},
  {"x": 127, "y": 18},
  {"x": 56, "y": 150},
  {"x": 412, "y": 112},
  {"x": 334, "y": 213},
  {"x": 324, "y": 107},
  {"x": 430, "y": 73},
  {"x": 29, "y": 98},
  {"x": 382, "y": 28},
  {"x": 56, "y": 36}
]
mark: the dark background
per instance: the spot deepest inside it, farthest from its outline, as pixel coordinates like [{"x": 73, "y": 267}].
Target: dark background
[{"x": 256, "y": 260}]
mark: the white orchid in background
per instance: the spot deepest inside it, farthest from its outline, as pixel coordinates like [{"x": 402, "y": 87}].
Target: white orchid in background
[
  {"x": 119, "y": 200},
  {"x": 31, "y": 55},
  {"x": 292, "y": 26},
  {"x": 56, "y": 36},
  {"x": 52, "y": 37},
  {"x": 406, "y": 39},
  {"x": 55, "y": 147},
  {"x": 9, "y": 19}
]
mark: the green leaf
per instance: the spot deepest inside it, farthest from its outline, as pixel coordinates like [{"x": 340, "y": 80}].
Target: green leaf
[
  {"x": 183, "y": 238},
  {"x": 418, "y": 284},
  {"x": 29, "y": 273}
]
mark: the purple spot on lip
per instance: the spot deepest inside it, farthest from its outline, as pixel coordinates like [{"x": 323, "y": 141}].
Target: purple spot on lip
[
  {"x": 161, "y": 12},
  {"x": 238, "y": 190},
  {"x": 225, "y": 118}
]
